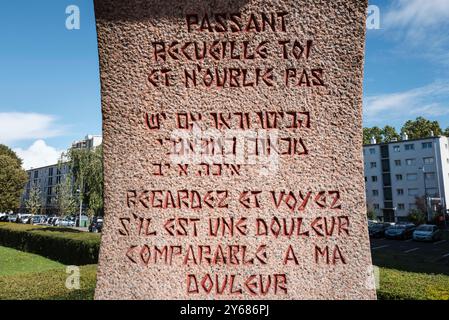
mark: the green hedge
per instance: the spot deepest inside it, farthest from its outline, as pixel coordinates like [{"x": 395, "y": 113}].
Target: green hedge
[
  {"x": 68, "y": 246},
  {"x": 402, "y": 285}
]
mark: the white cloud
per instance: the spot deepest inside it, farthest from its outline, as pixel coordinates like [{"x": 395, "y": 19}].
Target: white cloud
[
  {"x": 431, "y": 100},
  {"x": 417, "y": 13},
  {"x": 39, "y": 154},
  {"x": 17, "y": 126},
  {"x": 420, "y": 27}
]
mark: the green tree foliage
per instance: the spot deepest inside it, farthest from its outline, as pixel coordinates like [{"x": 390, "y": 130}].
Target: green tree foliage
[
  {"x": 34, "y": 201},
  {"x": 64, "y": 199},
  {"x": 421, "y": 128},
  {"x": 86, "y": 167},
  {"x": 389, "y": 134},
  {"x": 375, "y": 132},
  {"x": 12, "y": 179},
  {"x": 417, "y": 217},
  {"x": 385, "y": 134},
  {"x": 415, "y": 129},
  {"x": 371, "y": 214}
]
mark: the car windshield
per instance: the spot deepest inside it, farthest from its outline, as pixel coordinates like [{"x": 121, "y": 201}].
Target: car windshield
[{"x": 424, "y": 228}]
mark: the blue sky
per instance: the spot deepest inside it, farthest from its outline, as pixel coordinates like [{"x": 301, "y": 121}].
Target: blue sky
[{"x": 49, "y": 83}]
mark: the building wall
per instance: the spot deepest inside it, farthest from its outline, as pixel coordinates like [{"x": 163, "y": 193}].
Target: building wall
[
  {"x": 405, "y": 170},
  {"x": 47, "y": 178}
]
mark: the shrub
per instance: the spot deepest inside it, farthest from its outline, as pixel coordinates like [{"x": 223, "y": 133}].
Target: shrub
[
  {"x": 401, "y": 285},
  {"x": 68, "y": 246},
  {"x": 417, "y": 217}
]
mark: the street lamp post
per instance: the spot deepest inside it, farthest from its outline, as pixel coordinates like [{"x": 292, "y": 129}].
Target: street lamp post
[
  {"x": 80, "y": 196},
  {"x": 81, "y": 202},
  {"x": 425, "y": 193}
]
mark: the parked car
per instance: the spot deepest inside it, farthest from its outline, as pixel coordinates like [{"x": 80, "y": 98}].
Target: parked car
[
  {"x": 96, "y": 225},
  {"x": 426, "y": 232},
  {"x": 12, "y": 218},
  {"x": 4, "y": 218},
  {"x": 39, "y": 219},
  {"x": 24, "y": 218},
  {"x": 377, "y": 230},
  {"x": 400, "y": 231},
  {"x": 66, "y": 223}
]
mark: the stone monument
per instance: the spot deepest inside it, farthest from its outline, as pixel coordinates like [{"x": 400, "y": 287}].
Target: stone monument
[{"x": 233, "y": 150}]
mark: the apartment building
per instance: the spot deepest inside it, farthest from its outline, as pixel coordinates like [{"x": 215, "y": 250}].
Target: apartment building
[
  {"x": 47, "y": 178},
  {"x": 399, "y": 172}
]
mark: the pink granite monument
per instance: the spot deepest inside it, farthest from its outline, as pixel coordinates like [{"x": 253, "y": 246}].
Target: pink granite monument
[{"x": 233, "y": 150}]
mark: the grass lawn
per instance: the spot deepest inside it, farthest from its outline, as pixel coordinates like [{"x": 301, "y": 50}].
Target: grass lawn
[
  {"x": 14, "y": 262},
  {"x": 29, "y": 276}
]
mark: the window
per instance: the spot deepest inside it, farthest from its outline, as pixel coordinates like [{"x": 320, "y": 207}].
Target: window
[
  {"x": 48, "y": 200},
  {"x": 399, "y": 177},
  {"x": 397, "y": 163},
  {"x": 58, "y": 179},
  {"x": 400, "y": 192},
  {"x": 373, "y": 165},
  {"x": 427, "y": 145},
  {"x": 412, "y": 176},
  {"x": 428, "y": 160},
  {"x": 401, "y": 206},
  {"x": 397, "y": 149},
  {"x": 50, "y": 171},
  {"x": 412, "y": 192},
  {"x": 410, "y": 162},
  {"x": 36, "y": 174},
  {"x": 410, "y": 146},
  {"x": 372, "y": 151},
  {"x": 432, "y": 192},
  {"x": 49, "y": 190},
  {"x": 58, "y": 171},
  {"x": 375, "y": 193},
  {"x": 376, "y": 206},
  {"x": 374, "y": 178},
  {"x": 50, "y": 181},
  {"x": 429, "y": 175}
]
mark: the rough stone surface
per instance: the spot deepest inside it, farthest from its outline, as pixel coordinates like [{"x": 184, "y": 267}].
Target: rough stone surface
[{"x": 126, "y": 32}]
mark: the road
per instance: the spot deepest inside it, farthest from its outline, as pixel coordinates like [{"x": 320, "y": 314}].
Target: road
[{"x": 409, "y": 255}]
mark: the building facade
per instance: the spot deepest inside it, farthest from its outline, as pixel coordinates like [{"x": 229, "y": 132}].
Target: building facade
[
  {"x": 47, "y": 178},
  {"x": 400, "y": 173}
]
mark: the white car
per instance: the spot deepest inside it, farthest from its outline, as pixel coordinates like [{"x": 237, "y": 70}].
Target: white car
[
  {"x": 426, "y": 232},
  {"x": 25, "y": 218}
]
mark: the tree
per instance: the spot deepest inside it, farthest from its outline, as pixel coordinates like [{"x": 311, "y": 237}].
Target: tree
[
  {"x": 375, "y": 132},
  {"x": 389, "y": 134},
  {"x": 64, "y": 200},
  {"x": 417, "y": 217},
  {"x": 86, "y": 169},
  {"x": 421, "y": 128},
  {"x": 34, "y": 202},
  {"x": 12, "y": 179},
  {"x": 371, "y": 214},
  {"x": 446, "y": 132}
]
